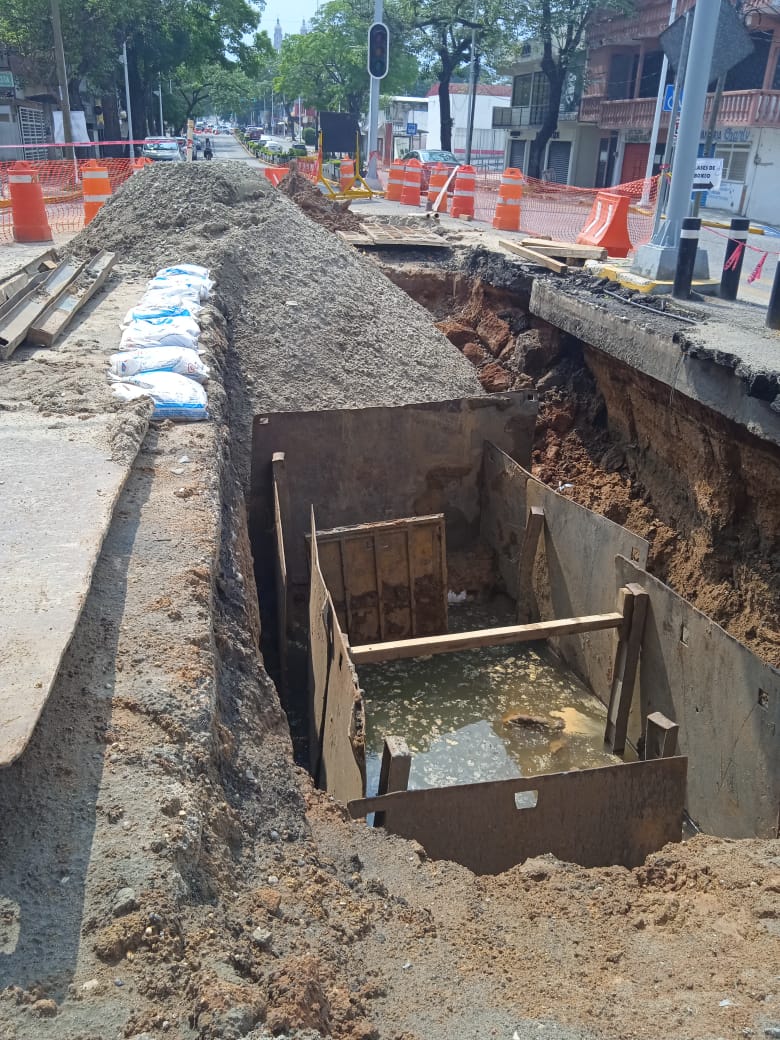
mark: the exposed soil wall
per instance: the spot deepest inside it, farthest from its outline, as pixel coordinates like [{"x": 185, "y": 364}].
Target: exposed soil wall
[{"x": 700, "y": 488}]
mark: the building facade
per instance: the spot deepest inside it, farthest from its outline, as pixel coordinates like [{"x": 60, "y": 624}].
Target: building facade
[
  {"x": 488, "y": 141},
  {"x": 622, "y": 81}
]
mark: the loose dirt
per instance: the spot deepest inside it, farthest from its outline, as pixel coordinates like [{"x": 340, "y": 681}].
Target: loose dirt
[
  {"x": 165, "y": 870},
  {"x": 335, "y": 216}
]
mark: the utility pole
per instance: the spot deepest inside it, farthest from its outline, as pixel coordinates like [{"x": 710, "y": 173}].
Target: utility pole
[
  {"x": 472, "y": 88},
  {"x": 657, "y": 258},
  {"x": 679, "y": 80},
  {"x": 162, "y": 124},
  {"x": 130, "y": 146},
  {"x": 62, "y": 78}
]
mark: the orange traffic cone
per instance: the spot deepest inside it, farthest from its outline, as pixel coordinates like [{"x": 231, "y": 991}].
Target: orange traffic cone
[
  {"x": 465, "y": 190},
  {"x": 28, "y": 210},
  {"x": 96, "y": 187},
  {"x": 140, "y": 162},
  {"x": 510, "y": 194},
  {"x": 395, "y": 181},
  {"x": 440, "y": 174},
  {"x": 410, "y": 196}
]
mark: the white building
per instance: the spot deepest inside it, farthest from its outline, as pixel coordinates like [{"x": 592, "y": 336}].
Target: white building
[
  {"x": 403, "y": 126},
  {"x": 488, "y": 142}
]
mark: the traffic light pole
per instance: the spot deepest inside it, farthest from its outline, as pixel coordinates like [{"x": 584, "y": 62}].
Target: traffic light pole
[{"x": 373, "y": 107}]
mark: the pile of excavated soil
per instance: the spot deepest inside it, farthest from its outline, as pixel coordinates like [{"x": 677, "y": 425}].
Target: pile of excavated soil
[
  {"x": 335, "y": 216},
  {"x": 314, "y": 324}
]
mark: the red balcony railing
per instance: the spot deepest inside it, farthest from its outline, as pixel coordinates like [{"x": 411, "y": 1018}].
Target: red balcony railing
[{"x": 737, "y": 108}]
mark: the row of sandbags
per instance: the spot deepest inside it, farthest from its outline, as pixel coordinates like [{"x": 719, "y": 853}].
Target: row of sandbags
[{"x": 159, "y": 356}]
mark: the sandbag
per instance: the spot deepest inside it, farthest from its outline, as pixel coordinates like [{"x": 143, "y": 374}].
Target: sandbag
[
  {"x": 159, "y": 359},
  {"x": 175, "y": 397},
  {"x": 144, "y": 312},
  {"x": 181, "y": 283},
  {"x": 165, "y": 332}
]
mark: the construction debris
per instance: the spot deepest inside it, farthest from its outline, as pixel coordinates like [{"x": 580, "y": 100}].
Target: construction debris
[{"x": 51, "y": 324}]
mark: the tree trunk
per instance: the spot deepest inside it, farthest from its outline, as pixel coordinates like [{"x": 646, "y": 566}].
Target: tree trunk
[
  {"x": 444, "y": 104},
  {"x": 555, "y": 77}
]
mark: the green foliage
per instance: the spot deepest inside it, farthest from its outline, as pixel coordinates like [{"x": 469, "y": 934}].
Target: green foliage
[
  {"x": 309, "y": 135},
  {"x": 327, "y": 66}
]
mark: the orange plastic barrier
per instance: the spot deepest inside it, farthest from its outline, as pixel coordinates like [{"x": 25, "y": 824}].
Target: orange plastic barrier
[
  {"x": 276, "y": 174},
  {"x": 346, "y": 174},
  {"x": 138, "y": 164},
  {"x": 410, "y": 195},
  {"x": 28, "y": 208},
  {"x": 607, "y": 225},
  {"x": 96, "y": 187},
  {"x": 510, "y": 194},
  {"x": 465, "y": 189},
  {"x": 440, "y": 174},
  {"x": 395, "y": 181}
]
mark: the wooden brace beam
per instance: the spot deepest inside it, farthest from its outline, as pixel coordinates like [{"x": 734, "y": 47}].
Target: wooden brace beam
[{"x": 632, "y": 602}]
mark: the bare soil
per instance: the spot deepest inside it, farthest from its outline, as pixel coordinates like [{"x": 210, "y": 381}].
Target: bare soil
[{"x": 165, "y": 869}]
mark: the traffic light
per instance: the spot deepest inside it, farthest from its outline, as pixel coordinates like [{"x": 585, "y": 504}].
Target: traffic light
[{"x": 378, "y": 50}]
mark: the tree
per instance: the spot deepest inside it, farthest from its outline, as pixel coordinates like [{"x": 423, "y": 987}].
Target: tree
[
  {"x": 327, "y": 66},
  {"x": 441, "y": 32},
  {"x": 560, "y": 26}
]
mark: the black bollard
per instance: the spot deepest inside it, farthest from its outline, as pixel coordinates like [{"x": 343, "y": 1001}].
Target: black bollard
[
  {"x": 686, "y": 258},
  {"x": 732, "y": 268},
  {"x": 773, "y": 312}
]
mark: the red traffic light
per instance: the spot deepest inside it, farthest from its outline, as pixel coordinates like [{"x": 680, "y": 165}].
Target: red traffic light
[{"x": 378, "y": 50}]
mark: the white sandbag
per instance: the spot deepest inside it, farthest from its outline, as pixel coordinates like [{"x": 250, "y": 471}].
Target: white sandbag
[
  {"x": 145, "y": 312},
  {"x": 127, "y": 392},
  {"x": 159, "y": 359},
  {"x": 180, "y": 283},
  {"x": 183, "y": 323},
  {"x": 193, "y": 271},
  {"x": 161, "y": 298},
  {"x": 175, "y": 397},
  {"x": 142, "y": 334}
]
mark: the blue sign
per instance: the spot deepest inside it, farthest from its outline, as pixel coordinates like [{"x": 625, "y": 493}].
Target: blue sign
[
  {"x": 668, "y": 96},
  {"x": 411, "y": 129}
]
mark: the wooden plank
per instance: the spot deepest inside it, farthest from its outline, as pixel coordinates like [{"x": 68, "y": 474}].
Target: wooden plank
[
  {"x": 382, "y": 235},
  {"x": 454, "y": 641},
  {"x": 551, "y": 247},
  {"x": 358, "y": 530},
  {"x": 395, "y": 591},
  {"x": 660, "y": 736},
  {"x": 56, "y": 318},
  {"x": 20, "y": 279},
  {"x": 16, "y": 323},
  {"x": 537, "y": 258},
  {"x": 594, "y": 817},
  {"x": 280, "y": 575},
  {"x": 525, "y": 569},
  {"x": 394, "y": 771},
  {"x": 633, "y": 600},
  {"x": 363, "y": 613}
]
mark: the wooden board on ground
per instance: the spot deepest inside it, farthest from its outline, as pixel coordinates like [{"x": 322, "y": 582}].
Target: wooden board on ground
[
  {"x": 537, "y": 258},
  {"x": 551, "y": 247},
  {"x": 59, "y": 314},
  {"x": 16, "y": 323},
  {"x": 388, "y": 580},
  {"x": 381, "y": 235}
]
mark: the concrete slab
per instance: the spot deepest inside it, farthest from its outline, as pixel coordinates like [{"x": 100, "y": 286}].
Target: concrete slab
[{"x": 60, "y": 482}]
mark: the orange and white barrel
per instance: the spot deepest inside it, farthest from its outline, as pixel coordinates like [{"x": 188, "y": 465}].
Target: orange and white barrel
[
  {"x": 346, "y": 174},
  {"x": 28, "y": 210},
  {"x": 440, "y": 174},
  {"x": 410, "y": 194},
  {"x": 465, "y": 192},
  {"x": 96, "y": 188},
  {"x": 395, "y": 181},
  {"x": 510, "y": 194}
]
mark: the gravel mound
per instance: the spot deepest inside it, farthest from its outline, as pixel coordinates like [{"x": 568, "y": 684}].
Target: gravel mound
[{"x": 314, "y": 324}]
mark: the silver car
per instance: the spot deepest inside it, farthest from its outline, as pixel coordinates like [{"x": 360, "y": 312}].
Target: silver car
[{"x": 161, "y": 149}]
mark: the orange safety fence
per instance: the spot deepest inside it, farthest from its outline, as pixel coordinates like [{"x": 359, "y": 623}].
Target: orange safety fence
[
  {"x": 560, "y": 211},
  {"x": 61, "y": 182}
]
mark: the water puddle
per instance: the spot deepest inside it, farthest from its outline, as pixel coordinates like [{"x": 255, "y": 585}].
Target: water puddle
[{"x": 488, "y": 714}]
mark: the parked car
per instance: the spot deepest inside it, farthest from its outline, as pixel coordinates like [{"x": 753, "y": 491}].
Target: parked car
[
  {"x": 298, "y": 148},
  {"x": 161, "y": 149},
  {"x": 430, "y": 157}
]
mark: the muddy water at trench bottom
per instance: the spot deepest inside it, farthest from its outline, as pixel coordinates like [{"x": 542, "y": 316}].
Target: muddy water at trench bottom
[{"x": 453, "y": 711}]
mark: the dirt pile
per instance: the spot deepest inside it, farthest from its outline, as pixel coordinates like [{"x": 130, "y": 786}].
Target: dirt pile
[{"x": 335, "y": 216}]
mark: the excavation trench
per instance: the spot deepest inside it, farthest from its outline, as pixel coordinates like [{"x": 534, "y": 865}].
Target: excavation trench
[{"x": 419, "y": 508}]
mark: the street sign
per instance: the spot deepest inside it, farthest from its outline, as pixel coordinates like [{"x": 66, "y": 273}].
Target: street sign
[
  {"x": 709, "y": 173},
  {"x": 669, "y": 97},
  {"x": 732, "y": 41},
  {"x": 411, "y": 129}
]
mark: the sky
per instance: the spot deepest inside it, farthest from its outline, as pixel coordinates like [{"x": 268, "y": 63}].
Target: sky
[{"x": 289, "y": 12}]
